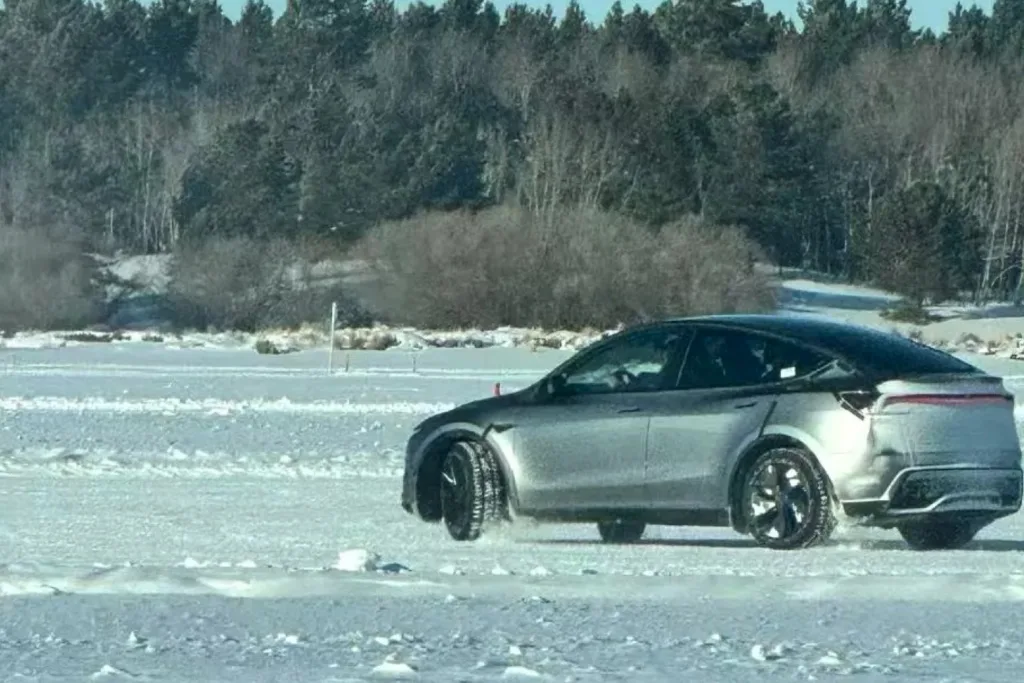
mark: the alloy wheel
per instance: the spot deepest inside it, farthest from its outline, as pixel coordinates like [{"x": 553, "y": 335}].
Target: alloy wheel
[{"x": 779, "y": 503}]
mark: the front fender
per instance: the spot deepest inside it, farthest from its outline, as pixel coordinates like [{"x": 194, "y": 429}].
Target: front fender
[{"x": 425, "y": 459}]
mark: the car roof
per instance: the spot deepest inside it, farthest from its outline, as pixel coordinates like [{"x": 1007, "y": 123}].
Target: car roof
[
  {"x": 789, "y": 325},
  {"x": 864, "y": 346}
]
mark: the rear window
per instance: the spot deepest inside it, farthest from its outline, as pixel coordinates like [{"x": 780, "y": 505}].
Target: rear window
[{"x": 891, "y": 354}]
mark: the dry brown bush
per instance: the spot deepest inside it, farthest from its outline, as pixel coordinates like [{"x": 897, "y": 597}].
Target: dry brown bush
[
  {"x": 582, "y": 268},
  {"x": 249, "y": 285},
  {"x": 46, "y": 281}
]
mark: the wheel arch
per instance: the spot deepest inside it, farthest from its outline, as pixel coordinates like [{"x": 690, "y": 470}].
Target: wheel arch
[
  {"x": 428, "y": 473},
  {"x": 765, "y": 443}
]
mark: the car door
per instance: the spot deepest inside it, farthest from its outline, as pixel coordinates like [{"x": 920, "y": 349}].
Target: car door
[
  {"x": 584, "y": 446},
  {"x": 725, "y": 394}
]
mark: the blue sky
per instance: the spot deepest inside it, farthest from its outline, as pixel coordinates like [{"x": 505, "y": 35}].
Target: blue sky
[{"x": 926, "y": 13}]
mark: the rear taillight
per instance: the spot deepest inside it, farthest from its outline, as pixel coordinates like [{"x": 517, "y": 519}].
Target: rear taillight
[
  {"x": 950, "y": 399},
  {"x": 857, "y": 402}
]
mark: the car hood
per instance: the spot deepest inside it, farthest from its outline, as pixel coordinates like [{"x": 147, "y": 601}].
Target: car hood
[{"x": 469, "y": 411}]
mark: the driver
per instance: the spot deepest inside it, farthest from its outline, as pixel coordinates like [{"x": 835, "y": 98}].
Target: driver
[{"x": 648, "y": 378}]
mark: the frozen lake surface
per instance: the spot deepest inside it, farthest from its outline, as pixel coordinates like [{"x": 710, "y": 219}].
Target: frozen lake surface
[{"x": 178, "y": 515}]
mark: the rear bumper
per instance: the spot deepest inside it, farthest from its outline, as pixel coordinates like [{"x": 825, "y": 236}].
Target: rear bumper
[{"x": 917, "y": 492}]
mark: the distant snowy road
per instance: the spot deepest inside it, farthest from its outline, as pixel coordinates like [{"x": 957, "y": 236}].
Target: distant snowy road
[{"x": 174, "y": 515}]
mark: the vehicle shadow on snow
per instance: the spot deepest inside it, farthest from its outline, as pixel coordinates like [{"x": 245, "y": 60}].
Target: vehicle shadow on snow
[
  {"x": 987, "y": 545},
  {"x": 733, "y": 543}
]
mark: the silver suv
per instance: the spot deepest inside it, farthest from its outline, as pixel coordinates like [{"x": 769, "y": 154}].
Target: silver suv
[{"x": 767, "y": 424}]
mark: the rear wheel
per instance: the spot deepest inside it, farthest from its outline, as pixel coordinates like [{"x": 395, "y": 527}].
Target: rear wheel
[
  {"x": 620, "y": 531},
  {"x": 472, "y": 494},
  {"x": 786, "y": 500},
  {"x": 937, "y": 534}
]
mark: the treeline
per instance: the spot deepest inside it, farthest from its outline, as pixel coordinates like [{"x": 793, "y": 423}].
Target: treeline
[{"x": 854, "y": 146}]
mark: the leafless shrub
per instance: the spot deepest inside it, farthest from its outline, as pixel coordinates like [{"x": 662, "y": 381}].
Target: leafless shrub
[
  {"x": 247, "y": 285},
  {"x": 46, "y": 281},
  {"x": 582, "y": 268}
]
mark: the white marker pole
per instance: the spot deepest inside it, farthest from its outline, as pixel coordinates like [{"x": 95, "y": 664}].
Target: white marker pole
[{"x": 330, "y": 349}]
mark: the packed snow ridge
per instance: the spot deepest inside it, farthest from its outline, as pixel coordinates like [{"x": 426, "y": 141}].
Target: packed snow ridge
[
  {"x": 212, "y": 406},
  {"x": 377, "y": 338}
]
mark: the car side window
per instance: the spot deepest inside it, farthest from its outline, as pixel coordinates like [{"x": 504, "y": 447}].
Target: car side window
[
  {"x": 647, "y": 361},
  {"x": 720, "y": 359}
]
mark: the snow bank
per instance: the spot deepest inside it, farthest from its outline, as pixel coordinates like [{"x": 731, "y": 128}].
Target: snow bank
[
  {"x": 378, "y": 338},
  {"x": 995, "y": 329},
  {"x": 1002, "y": 337}
]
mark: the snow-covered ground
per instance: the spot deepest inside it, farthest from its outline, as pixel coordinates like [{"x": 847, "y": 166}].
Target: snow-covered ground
[{"x": 211, "y": 514}]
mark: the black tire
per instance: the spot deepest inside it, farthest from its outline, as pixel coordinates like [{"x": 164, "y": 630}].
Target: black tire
[
  {"x": 797, "y": 498},
  {"x": 472, "y": 494},
  {"x": 938, "y": 534},
  {"x": 620, "y": 531}
]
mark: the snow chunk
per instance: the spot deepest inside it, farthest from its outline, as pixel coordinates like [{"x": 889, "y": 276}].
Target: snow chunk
[
  {"x": 394, "y": 669},
  {"x": 762, "y": 654},
  {"x": 357, "y": 560},
  {"x": 520, "y": 672},
  {"x": 288, "y": 638},
  {"x": 830, "y": 660},
  {"x": 112, "y": 671}
]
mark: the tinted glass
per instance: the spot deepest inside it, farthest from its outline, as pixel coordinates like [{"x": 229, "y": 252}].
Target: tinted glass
[
  {"x": 728, "y": 358},
  {"x": 646, "y": 361},
  {"x": 886, "y": 353}
]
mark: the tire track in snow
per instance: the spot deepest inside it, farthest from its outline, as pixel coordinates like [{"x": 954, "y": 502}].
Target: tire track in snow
[{"x": 62, "y": 404}]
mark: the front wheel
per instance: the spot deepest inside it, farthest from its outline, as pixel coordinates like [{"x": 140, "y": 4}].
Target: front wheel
[
  {"x": 620, "y": 531},
  {"x": 937, "y": 534},
  {"x": 472, "y": 495},
  {"x": 786, "y": 500}
]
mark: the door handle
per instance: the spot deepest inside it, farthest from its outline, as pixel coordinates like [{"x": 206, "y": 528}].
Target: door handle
[
  {"x": 630, "y": 409},
  {"x": 740, "y": 406}
]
